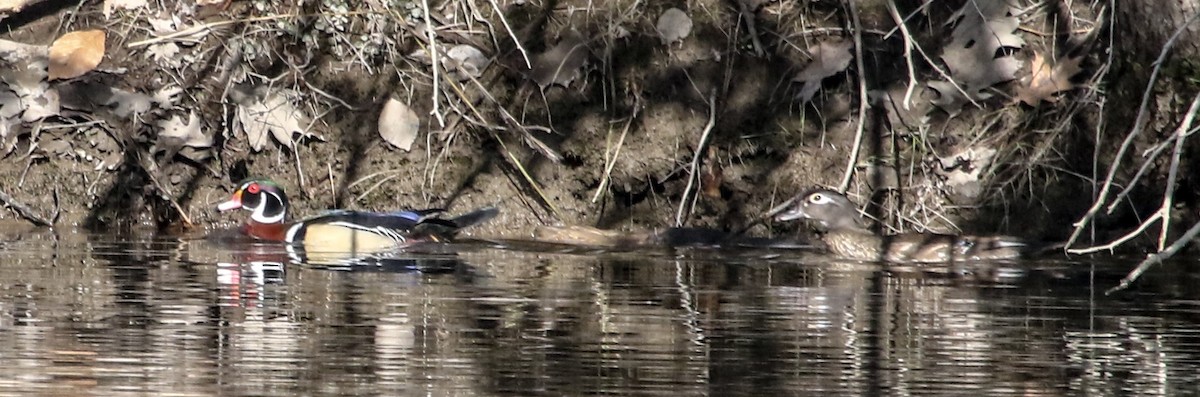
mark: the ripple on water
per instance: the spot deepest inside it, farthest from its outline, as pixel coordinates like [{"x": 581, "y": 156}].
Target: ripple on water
[{"x": 116, "y": 315}]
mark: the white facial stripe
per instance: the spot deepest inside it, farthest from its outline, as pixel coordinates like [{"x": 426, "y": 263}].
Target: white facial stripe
[{"x": 259, "y": 215}]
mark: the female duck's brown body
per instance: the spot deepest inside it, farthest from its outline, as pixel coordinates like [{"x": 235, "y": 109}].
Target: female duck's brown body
[{"x": 847, "y": 236}]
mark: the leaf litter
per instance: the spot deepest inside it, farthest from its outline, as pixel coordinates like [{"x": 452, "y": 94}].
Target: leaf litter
[
  {"x": 828, "y": 58},
  {"x": 1048, "y": 78},
  {"x": 270, "y": 111},
  {"x": 984, "y": 27}
]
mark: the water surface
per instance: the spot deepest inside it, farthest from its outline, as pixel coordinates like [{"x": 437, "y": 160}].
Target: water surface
[{"x": 99, "y": 315}]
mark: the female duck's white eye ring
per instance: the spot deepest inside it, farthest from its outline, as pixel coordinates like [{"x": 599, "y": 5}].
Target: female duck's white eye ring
[{"x": 817, "y": 198}]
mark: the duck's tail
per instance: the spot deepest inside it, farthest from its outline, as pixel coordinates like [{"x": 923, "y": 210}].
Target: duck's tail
[
  {"x": 442, "y": 229},
  {"x": 475, "y": 217}
]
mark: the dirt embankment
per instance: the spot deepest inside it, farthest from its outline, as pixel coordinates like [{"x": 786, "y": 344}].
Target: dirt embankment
[{"x": 629, "y": 110}]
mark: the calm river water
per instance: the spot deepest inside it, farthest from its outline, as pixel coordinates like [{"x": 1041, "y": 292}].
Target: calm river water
[{"x": 97, "y": 315}]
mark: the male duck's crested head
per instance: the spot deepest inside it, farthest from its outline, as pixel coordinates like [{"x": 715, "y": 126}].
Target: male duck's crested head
[
  {"x": 262, "y": 197},
  {"x": 829, "y": 208}
]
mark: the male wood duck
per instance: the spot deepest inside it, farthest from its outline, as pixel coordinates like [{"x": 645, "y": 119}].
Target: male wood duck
[
  {"x": 341, "y": 231},
  {"x": 847, "y": 236}
]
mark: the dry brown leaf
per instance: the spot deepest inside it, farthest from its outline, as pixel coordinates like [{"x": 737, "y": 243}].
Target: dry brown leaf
[
  {"x": 673, "y": 25},
  {"x": 829, "y": 58},
  {"x": 110, "y": 5},
  {"x": 1047, "y": 79},
  {"x": 10, "y": 105},
  {"x": 398, "y": 124},
  {"x": 76, "y": 53},
  {"x": 271, "y": 113},
  {"x": 184, "y": 134},
  {"x": 41, "y": 106},
  {"x": 561, "y": 64},
  {"x": 9, "y": 129},
  {"x": 13, "y": 5},
  {"x": 983, "y": 28}
]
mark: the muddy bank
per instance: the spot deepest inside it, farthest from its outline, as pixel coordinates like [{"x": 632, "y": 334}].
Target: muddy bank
[{"x": 620, "y": 120}]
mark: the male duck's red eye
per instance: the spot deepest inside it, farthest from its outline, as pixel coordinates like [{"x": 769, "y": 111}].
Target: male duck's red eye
[{"x": 252, "y": 188}]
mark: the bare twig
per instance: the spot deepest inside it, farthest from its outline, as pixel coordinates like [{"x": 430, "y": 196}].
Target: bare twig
[
  {"x": 516, "y": 40},
  {"x": 694, "y": 172},
  {"x": 1138, "y": 125},
  {"x": 912, "y": 74},
  {"x": 24, "y": 210},
  {"x": 206, "y": 27},
  {"x": 433, "y": 55},
  {"x": 1164, "y": 211},
  {"x": 529, "y": 178},
  {"x": 612, "y": 162},
  {"x": 751, "y": 29},
  {"x": 862, "y": 99},
  {"x": 1155, "y": 258}
]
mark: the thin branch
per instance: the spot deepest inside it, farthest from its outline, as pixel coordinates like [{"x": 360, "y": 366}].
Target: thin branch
[
  {"x": 1155, "y": 258},
  {"x": 912, "y": 74},
  {"x": 433, "y": 56},
  {"x": 24, "y": 210},
  {"x": 693, "y": 174},
  {"x": 862, "y": 99},
  {"x": 517, "y": 41},
  {"x": 748, "y": 17},
  {"x": 612, "y": 162},
  {"x": 207, "y": 27},
  {"x": 1164, "y": 211},
  {"x": 1138, "y": 125}
]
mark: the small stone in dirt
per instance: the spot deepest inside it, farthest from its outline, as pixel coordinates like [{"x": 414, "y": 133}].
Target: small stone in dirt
[
  {"x": 673, "y": 25},
  {"x": 465, "y": 62}
]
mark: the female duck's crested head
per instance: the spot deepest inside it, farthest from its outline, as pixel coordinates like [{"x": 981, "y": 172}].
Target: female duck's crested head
[
  {"x": 829, "y": 208},
  {"x": 262, "y": 197}
]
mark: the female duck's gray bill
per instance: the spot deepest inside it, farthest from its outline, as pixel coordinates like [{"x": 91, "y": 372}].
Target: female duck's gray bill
[{"x": 791, "y": 215}]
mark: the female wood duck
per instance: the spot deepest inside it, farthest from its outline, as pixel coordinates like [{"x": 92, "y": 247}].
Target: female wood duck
[
  {"x": 847, "y": 236},
  {"x": 341, "y": 231}
]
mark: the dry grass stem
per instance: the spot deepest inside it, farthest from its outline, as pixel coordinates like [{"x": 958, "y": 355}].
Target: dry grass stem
[
  {"x": 611, "y": 160},
  {"x": 24, "y": 210},
  {"x": 433, "y": 54},
  {"x": 694, "y": 169}
]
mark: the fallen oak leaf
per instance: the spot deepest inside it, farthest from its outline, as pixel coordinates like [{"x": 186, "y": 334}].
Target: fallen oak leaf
[
  {"x": 76, "y": 53},
  {"x": 271, "y": 112},
  {"x": 982, "y": 29},
  {"x": 1048, "y": 78},
  {"x": 184, "y": 134},
  {"x": 829, "y": 58}
]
